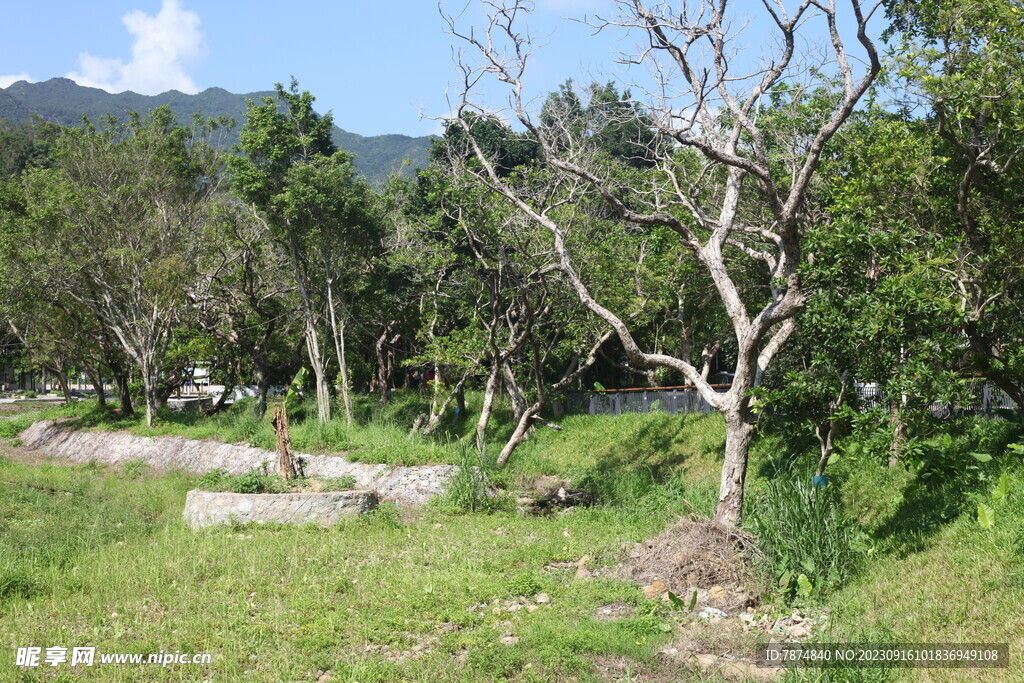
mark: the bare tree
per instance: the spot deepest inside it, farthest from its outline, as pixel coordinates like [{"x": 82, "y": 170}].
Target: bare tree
[{"x": 739, "y": 204}]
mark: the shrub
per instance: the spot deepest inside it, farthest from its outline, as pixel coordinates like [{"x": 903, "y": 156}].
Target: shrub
[
  {"x": 469, "y": 490},
  {"x": 807, "y": 543},
  {"x": 523, "y": 584}
]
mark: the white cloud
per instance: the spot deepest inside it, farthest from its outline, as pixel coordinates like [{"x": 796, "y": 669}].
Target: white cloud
[
  {"x": 6, "y": 81},
  {"x": 164, "y": 43}
]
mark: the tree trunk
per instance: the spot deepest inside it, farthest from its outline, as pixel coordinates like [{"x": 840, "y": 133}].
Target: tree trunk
[
  {"x": 532, "y": 414},
  {"x": 339, "y": 346},
  {"x": 899, "y": 429},
  {"x": 262, "y": 387},
  {"x": 488, "y": 407},
  {"x": 739, "y": 432},
  {"x": 229, "y": 388},
  {"x": 96, "y": 380},
  {"x": 515, "y": 394},
  {"x": 323, "y": 398},
  {"x": 436, "y": 415},
  {"x": 124, "y": 395},
  {"x": 381, "y": 381},
  {"x": 62, "y": 380},
  {"x": 150, "y": 381},
  {"x": 519, "y": 435},
  {"x": 460, "y": 400}
]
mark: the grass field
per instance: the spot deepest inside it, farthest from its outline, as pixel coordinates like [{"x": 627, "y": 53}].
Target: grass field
[{"x": 93, "y": 556}]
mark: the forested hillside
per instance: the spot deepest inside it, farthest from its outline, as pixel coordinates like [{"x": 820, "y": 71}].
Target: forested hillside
[{"x": 60, "y": 100}]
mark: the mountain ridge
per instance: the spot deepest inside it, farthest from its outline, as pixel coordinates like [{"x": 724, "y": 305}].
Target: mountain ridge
[{"x": 62, "y": 101}]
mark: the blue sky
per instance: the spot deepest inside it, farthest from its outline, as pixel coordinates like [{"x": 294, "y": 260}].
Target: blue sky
[{"x": 376, "y": 65}]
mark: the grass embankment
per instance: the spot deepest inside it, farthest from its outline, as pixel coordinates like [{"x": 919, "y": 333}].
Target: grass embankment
[
  {"x": 96, "y": 557},
  {"x": 286, "y": 603}
]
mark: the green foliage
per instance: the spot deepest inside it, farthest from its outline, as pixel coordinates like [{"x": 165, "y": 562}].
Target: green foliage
[
  {"x": 470, "y": 489},
  {"x": 806, "y": 542},
  {"x": 523, "y": 584},
  {"x": 134, "y": 468},
  {"x": 259, "y": 481},
  {"x": 385, "y": 515}
]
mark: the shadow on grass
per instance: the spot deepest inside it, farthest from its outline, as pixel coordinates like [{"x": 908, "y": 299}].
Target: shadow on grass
[
  {"x": 659, "y": 462},
  {"x": 935, "y": 482}
]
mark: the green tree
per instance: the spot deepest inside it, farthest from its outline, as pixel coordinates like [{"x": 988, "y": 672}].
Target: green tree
[
  {"x": 744, "y": 204},
  {"x": 116, "y": 223},
  {"x": 321, "y": 213},
  {"x": 961, "y": 62}
]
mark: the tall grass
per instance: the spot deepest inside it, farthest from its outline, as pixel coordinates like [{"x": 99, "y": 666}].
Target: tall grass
[{"x": 807, "y": 543}]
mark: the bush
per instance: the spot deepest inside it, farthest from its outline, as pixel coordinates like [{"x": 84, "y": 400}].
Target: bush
[
  {"x": 807, "y": 543},
  {"x": 254, "y": 481},
  {"x": 469, "y": 490}
]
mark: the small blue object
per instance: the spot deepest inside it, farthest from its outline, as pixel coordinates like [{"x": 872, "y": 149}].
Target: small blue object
[
  {"x": 458, "y": 410},
  {"x": 819, "y": 481}
]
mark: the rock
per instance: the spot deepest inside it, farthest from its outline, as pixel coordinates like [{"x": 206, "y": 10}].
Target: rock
[
  {"x": 542, "y": 598},
  {"x": 798, "y": 631},
  {"x": 207, "y": 508},
  {"x": 509, "y": 639},
  {"x": 655, "y": 590},
  {"x": 613, "y": 611},
  {"x": 712, "y": 613},
  {"x": 560, "y": 499},
  {"x": 413, "y": 485},
  {"x": 582, "y": 573},
  {"x": 717, "y": 595}
]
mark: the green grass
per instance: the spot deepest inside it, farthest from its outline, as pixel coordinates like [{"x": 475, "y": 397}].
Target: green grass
[
  {"x": 117, "y": 570},
  {"x": 79, "y": 544}
]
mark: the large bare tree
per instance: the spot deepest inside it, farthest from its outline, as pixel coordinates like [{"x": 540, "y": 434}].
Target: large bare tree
[{"x": 742, "y": 202}]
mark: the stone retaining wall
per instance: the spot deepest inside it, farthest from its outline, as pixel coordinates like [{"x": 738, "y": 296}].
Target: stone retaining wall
[
  {"x": 209, "y": 508},
  {"x": 402, "y": 485}
]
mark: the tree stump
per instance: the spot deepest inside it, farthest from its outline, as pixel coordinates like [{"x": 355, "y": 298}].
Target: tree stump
[{"x": 287, "y": 467}]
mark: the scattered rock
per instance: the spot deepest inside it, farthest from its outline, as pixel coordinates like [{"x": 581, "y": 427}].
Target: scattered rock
[
  {"x": 613, "y": 611},
  {"x": 509, "y": 639},
  {"x": 542, "y": 598},
  {"x": 712, "y": 613}
]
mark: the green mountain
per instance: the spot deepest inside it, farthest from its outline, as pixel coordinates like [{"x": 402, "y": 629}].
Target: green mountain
[{"x": 65, "y": 102}]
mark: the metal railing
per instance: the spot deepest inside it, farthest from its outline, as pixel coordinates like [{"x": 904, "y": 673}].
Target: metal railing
[
  {"x": 982, "y": 398},
  {"x": 671, "y": 400}
]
